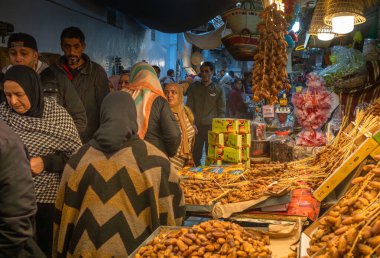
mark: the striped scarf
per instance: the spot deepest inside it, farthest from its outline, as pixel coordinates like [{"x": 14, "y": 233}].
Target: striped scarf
[{"x": 144, "y": 88}]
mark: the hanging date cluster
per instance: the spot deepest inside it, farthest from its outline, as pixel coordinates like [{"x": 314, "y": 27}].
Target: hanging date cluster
[{"x": 269, "y": 70}]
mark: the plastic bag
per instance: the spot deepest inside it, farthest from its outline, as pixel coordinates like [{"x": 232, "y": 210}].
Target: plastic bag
[{"x": 349, "y": 62}]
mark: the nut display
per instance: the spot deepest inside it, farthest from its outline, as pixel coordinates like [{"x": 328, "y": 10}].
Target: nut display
[
  {"x": 269, "y": 71},
  {"x": 209, "y": 239},
  {"x": 351, "y": 228},
  {"x": 200, "y": 192},
  {"x": 207, "y": 187}
]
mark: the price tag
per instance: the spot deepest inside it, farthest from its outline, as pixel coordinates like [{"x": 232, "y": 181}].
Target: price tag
[{"x": 268, "y": 111}]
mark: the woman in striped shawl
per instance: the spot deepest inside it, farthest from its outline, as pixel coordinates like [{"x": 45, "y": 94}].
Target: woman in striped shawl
[
  {"x": 185, "y": 119},
  {"x": 116, "y": 190},
  {"x": 156, "y": 121},
  {"x": 50, "y": 135}
]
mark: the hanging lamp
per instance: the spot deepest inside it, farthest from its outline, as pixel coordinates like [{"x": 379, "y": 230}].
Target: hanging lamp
[
  {"x": 342, "y": 15},
  {"x": 317, "y": 26}
]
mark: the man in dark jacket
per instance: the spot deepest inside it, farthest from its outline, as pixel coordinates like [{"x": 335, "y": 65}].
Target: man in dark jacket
[
  {"x": 22, "y": 50},
  {"x": 89, "y": 78},
  {"x": 17, "y": 199},
  {"x": 207, "y": 101}
]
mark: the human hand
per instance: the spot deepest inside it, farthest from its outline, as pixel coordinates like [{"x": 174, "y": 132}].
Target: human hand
[{"x": 37, "y": 165}]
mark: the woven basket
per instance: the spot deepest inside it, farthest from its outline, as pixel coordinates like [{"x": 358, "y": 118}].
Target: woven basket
[
  {"x": 317, "y": 25},
  {"x": 241, "y": 20},
  {"x": 242, "y": 47},
  {"x": 352, "y": 83},
  {"x": 344, "y": 8}
]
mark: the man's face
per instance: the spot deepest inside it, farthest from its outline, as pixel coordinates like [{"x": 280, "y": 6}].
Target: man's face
[
  {"x": 206, "y": 74},
  {"x": 73, "y": 49},
  {"x": 19, "y": 55}
]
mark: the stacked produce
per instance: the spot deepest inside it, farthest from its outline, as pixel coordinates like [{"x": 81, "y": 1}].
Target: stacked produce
[
  {"x": 229, "y": 141},
  {"x": 352, "y": 227},
  {"x": 237, "y": 185},
  {"x": 209, "y": 239},
  {"x": 269, "y": 71}
]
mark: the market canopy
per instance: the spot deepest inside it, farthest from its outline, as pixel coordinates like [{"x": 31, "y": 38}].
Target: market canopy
[{"x": 171, "y": 16}]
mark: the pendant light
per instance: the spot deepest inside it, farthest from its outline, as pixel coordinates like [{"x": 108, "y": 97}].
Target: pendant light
[
  {"x": 342, "y": 15},
  {"x": 317, "y": 26}
]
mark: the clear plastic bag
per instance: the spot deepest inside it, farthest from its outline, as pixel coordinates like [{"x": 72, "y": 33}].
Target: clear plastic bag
[{"x": 349, "y": 62}]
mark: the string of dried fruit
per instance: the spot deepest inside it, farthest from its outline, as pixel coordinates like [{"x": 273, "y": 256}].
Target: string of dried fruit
[
  {"x": 352, "y": 227},
  {"x": 200, "y": 192},
  {"x": 269, "y": 70},
  {"x": 209, "y": 239}
]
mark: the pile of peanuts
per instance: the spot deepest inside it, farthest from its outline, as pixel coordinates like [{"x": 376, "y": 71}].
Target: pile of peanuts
[
  {"x": 210, "y": 239},
  {"x": 352, "y": 227}
]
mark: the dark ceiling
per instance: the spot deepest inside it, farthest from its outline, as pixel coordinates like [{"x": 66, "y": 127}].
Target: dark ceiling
[{"x": 171, "y": 16}]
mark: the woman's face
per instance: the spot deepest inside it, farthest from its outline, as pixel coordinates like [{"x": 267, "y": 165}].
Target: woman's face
[
  {"x": 238, "y": 85},
  {"x": 172, "y": 95},
  {"x": 16, "y": 97},
  {"x": 124, "y": 81}
]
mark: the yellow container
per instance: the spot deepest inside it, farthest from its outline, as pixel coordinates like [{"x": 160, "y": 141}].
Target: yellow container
[
  {"x": 215, "y": 152},
  {"x": 211, "y": 161},
  {"x": 246, "y": 140},
  {"x": 245, "y": 153},
  {"x": 243, "y": 125},
  {"x": 215, "y": 138},
  {"x": 233, "y": 140},
  {"x": 232, "y": 154},
  {"x": 224, "y": 125}
]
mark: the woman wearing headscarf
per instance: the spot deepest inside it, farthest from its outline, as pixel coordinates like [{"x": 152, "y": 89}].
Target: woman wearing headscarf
[
  {"x": 116, "y": 190},
  {"x": 156, "y": 121},
  {"x": 49, "y": 134},
  {"x": 185, "y": 119},
  {"x": 238, "y": 108}
]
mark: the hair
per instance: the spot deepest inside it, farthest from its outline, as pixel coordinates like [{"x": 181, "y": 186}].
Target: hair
[
  {"x": 72, "y": 32},
  {"x": 231, "y": 73},
  {"x": 169, "y": 72},
  {"x": 156, "y": 67},
  {"x": 209, "y": 64}
]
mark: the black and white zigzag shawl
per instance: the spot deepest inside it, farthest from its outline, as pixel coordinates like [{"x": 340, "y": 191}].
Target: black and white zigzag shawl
[{"x": 54, "y": 132}]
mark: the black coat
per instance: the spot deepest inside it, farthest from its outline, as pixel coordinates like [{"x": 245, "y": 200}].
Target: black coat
[
  {"x": 17, "y": 198},
  {"x": 163, "y": 130},
  {"x": 91, "y": 84}
]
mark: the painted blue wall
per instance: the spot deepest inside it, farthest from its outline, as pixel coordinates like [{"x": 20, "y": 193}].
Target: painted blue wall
[{"x": 45, "y": 19}]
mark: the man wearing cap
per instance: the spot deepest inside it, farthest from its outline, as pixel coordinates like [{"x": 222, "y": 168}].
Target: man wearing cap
[
  {"x": 89, "y": 78},
  {"x": 22, "y": 50}
]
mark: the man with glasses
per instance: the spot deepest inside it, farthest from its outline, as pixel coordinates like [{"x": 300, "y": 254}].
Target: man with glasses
[{"x": 207, "y": 101}]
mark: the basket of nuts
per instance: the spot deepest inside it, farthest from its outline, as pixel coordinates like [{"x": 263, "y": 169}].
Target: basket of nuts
[{"x": 212, "y": 238}]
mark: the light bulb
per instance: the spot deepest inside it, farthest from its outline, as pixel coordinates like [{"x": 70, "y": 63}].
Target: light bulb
[
  {"x": 343, "y": 24},
  {"x": 325, "y": 36},
  {"x": 296, "y": 26}
]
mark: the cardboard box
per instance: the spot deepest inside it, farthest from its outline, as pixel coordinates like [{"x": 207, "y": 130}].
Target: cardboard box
[
  {"x": 224, "y": 125},
  {"x": 215, "y": 152},
  {"x": 212, "y": 161},
  {"x": 232, "y": 154},
  {"x": 233, "y": 140},
  {"x": 214, "y": 138},
  {"x": 246, "y": 140},
  {"x": 345, "y": 169},
  {"x": 245, "y": 151},
  {"x": 243, "y": 125}
]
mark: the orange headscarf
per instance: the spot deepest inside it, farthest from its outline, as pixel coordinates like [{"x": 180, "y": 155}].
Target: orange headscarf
[{"x": 144, "y": 88}]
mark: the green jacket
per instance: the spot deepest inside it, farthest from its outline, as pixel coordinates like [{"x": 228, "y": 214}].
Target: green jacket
[{"x": 206, "y": 102}]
